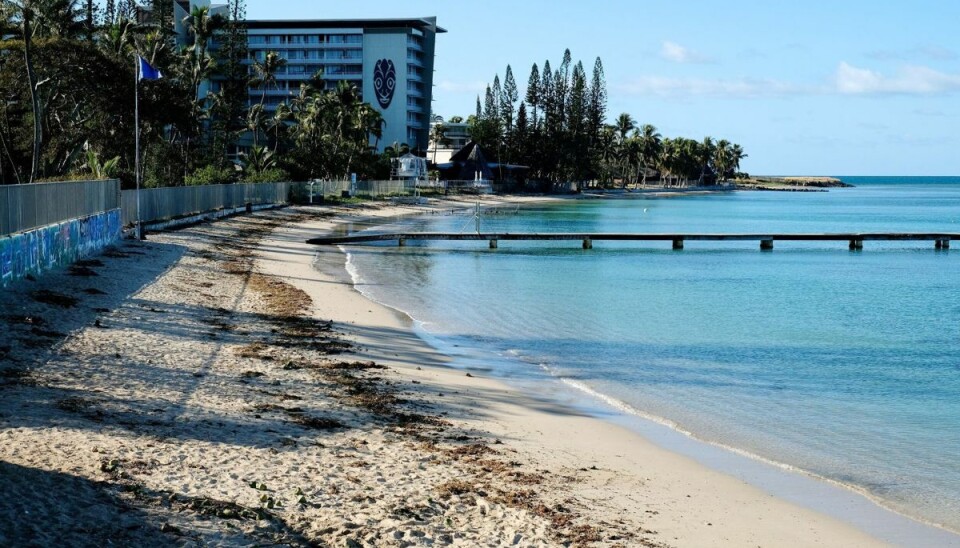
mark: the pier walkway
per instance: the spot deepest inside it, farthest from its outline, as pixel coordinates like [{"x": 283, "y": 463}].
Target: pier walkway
[{"x": 855, "y": 240}]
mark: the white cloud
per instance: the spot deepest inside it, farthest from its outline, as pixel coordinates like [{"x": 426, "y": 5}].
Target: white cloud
[
  {"x": 930, "y": 52},
  {"x": 730, "y": 88},
  {"x": 909, "y": 80},
  {"x": 671, "y": 51},
  {"x": 847, "y": 80},
  {"x": 462, "y": 87}
]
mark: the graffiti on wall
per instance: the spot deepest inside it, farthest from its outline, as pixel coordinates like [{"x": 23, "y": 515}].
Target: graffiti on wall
[{"x": 56, "y": 245}]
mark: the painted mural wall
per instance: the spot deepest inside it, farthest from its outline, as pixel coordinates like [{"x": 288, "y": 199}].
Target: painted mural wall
[{"x": 48, "y": 247}]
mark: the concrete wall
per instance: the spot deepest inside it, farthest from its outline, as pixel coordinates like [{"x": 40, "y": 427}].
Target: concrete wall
[{"x": 56, "y": 245}]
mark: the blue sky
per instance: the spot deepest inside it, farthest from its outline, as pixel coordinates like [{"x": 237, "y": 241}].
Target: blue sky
[{"x": 843, "y": 87}]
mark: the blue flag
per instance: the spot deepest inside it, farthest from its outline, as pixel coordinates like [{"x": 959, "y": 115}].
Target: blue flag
[{"x": 147, "y": 72}]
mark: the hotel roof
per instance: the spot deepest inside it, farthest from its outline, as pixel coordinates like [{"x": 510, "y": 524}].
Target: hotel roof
[{"x": 428, "y": 23}]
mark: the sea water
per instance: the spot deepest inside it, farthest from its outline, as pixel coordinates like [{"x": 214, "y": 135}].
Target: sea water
[{"x": 842, "y": 364}]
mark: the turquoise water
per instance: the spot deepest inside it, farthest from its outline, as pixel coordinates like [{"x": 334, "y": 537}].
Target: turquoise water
[{"x": 843, "y": 364}]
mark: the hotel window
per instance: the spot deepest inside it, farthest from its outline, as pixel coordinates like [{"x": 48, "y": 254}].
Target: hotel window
[{"x": 345, "y": 39}]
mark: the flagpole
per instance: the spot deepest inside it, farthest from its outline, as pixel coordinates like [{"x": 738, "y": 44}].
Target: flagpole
[{"x": 136, "y": 116}]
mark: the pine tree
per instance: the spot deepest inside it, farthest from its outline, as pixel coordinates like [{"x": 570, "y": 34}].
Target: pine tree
[
  {"x": 546, "y": 94},
  {"x": 508, "y": 98},
  {"x": 561, "y": 87},
  {"x": 110, "y": 12},
  {"x": 522, "y": 133},
  {"x": 127, "y": 9},
  {"x": 495, "y": 92},
  {"x": 578, "y": 151},
  {"x": 598, "y": 102},
  {"x": 533, "y": 92}
]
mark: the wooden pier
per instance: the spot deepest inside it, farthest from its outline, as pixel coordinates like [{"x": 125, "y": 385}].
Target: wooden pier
[{"x": 855, "y": 241}]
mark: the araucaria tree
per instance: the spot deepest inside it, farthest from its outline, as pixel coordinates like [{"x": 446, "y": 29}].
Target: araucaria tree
[
  {"x": 560, "y": 130},
  {"x": 556, "y": 127}
]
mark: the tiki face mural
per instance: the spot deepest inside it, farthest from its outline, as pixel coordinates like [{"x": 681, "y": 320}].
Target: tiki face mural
[{"x": 384, "y": 81}]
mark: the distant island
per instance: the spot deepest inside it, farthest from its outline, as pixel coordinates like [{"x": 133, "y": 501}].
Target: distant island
[{"x": 791, "y": 184}]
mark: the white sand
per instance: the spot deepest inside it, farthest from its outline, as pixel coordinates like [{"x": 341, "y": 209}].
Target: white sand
[{"x": 166, "y": 422}]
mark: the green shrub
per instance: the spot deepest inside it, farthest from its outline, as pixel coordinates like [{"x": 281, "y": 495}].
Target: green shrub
[
  {"x": 270, "y": 175},
  {"x": 211, "y": 175}
]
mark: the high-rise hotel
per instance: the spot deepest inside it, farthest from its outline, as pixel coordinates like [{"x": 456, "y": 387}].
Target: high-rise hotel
[{"x": 389, "y": 60}]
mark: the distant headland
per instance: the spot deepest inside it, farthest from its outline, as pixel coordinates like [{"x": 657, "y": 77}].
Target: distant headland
[{"x": 791, "y": 184}]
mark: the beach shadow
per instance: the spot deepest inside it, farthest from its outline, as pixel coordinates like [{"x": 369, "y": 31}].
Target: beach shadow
[
  {"x": 43, "y": 508},
  {"x": 37, "y": 314}
]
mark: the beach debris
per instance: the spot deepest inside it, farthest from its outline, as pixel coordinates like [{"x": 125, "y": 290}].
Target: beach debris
[
  {"x": 55, "y": 299},
  {"x": 77, "y": 270}
]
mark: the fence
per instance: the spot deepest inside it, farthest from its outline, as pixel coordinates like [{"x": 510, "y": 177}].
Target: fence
[
  {"x": 25, "y": 207},
  {"x": 368, "y": 189},
  {"x": 160, "y": 204},
  {"x": 381, "y": 189}
]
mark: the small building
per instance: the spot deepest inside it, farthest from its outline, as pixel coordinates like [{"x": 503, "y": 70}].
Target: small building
[{"x": 455, "y": 137}]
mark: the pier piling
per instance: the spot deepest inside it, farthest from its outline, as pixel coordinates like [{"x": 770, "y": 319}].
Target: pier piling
[{"x": 854, "y": 240}]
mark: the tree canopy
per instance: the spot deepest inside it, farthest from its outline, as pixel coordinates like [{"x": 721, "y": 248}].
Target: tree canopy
[
  {"x": 560, "y": 130},
  {"x": 67, "y": 76}
]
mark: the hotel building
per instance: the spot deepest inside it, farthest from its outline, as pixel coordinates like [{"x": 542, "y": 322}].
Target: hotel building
[{"x": 389, "y": 60}]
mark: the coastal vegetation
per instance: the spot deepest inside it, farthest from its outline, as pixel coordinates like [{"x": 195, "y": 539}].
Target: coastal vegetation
[
  {"x": 67, "y": 75},
  {"x": 559, "y": 130}
]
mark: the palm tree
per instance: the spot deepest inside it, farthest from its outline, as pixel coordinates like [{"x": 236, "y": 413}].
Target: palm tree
[
  {"x": 650, "y": 144},
  {"x": 736, "y": 155},
  {"x": 27, "y": 11},
  {"x": 624, "y": 124},
  {"x": 265, "y": 72},
  {"x": 371, "y": 122},
  {"x": 607, "y": 148},
  {"x": 256, "y": 119},
  {"x": 722, "y": 158},
  {"x": 258, "y": 160},
  {"x": 671, "y": 159},
  {"x": 438, "y": 134},
  {"x": 202, "y": 26},
  {"x": 278, "y": 123},
  {"x": 706, "y": 155},
  {"x": 117, "y": 37}
]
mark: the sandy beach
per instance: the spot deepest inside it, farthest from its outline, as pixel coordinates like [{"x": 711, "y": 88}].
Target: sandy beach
[{"x": 222, "y": 384}]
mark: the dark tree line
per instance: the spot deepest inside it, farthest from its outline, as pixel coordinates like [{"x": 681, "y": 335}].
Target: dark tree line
[
  {"x": 67, "y": 77},
  {"x": 554, "y": 128},
  {"x": 559, "y": 129}
]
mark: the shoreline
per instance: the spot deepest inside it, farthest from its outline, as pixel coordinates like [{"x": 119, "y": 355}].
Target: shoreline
[
  {"x": 851, "y": 504},
  {"x": 228, "y": 384}
]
